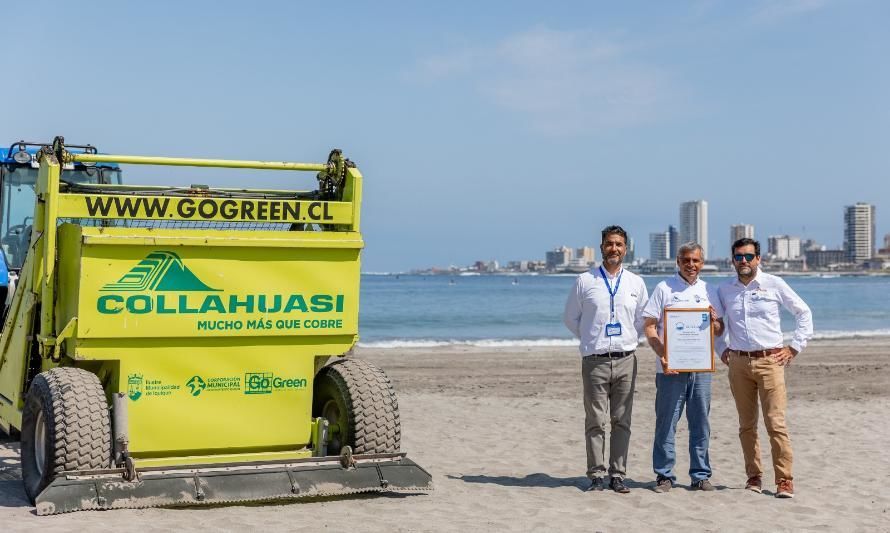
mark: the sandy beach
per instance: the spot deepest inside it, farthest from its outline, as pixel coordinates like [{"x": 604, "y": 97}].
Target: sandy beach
[{"x": 501, "y": 431}]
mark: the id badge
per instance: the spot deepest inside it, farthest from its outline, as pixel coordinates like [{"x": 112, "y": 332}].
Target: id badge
[{"x": 613, "y": 330}]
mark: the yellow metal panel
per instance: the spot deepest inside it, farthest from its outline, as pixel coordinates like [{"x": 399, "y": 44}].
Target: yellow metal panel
[
  {"x": 207, "y": 291},
  {"x": 194, "y": 237},
  {"x": 220, "y": 399},
  {"x": 106, "y": 206},
  {"x": 278, "y": 457}
]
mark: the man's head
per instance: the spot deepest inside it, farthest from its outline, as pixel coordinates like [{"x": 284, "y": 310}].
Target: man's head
[
  {"x": 690, "y": 260},
  {"x": 746, "y": 257},
  {"x": 613, "y": 246}
]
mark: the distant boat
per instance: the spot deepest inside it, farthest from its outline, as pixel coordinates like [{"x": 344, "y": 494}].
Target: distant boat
[
  {"x": 451, "y": 281},
  {"x": 515, "y": 281}
]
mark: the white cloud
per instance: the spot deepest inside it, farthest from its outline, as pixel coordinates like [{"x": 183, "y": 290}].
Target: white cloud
[
  {"x": 772, "y": 11},
  {"x": 561, "y": 82}
]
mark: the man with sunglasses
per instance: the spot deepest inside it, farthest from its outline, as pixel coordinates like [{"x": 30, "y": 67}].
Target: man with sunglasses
[
  {"x": 757, "y": 359},
  {"x": 675, "y": 390},
  {"x": 605, "y": 310}
]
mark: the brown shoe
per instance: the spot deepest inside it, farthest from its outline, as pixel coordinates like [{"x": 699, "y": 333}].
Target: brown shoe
[
  {"x": 784, "y": 489},
  {"x": 754, "y": 483}
]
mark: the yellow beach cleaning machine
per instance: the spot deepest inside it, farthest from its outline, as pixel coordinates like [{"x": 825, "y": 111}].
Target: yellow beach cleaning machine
[{"x": 172, "y": 346}]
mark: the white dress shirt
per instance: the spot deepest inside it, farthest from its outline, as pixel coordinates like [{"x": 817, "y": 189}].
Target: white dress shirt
[
  {"x": 677, "y": 292},
  {"x": 588, "y": 311},
  {"x": 752, "y": 313}
]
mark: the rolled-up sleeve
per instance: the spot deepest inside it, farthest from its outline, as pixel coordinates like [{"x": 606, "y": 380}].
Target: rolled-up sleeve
[
  {"x": 572, "y": 315},
  {"x": 803, "y": 332},
  {"x": 655, "y": 306},
  {"x": 721, "y": 342}
]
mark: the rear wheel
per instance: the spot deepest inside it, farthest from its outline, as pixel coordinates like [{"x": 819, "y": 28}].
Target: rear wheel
[
  {"x": 358, "y": 398},
  {"x": 65, "y": 426}
]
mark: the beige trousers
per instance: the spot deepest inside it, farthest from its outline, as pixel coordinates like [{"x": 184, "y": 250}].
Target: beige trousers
[{"x": 753, "y": 379}]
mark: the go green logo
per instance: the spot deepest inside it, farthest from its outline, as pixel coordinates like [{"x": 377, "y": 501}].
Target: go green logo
[
  {"x": 196, "y": 385},
  {"x": 266, "y": 382}
]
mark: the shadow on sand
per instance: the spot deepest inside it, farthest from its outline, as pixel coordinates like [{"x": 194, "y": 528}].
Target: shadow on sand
[
  {"x": 539, "y": 480},
  {"x": 12, "y": 493}
]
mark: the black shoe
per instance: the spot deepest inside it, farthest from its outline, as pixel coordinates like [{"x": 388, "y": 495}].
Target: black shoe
[
  {"x": 703, "y": 484},
  {"x": 617, "y": 484},
  {"x": 663, "y": 484},
  {"x": 596, "y": 484}
]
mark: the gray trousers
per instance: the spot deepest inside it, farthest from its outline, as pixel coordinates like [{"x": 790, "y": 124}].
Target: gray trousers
[{"x": 608, "y": 389}]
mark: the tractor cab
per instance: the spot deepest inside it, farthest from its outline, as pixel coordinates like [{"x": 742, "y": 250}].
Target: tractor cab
[{"x": 18, "y": 177}]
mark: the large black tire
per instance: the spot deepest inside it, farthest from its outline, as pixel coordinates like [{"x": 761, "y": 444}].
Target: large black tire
[
  {"x": 65, "y": 426},
  {"x": 359, "y": 398}
]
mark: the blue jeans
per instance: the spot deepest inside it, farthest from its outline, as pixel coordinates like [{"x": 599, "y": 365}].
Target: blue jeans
[{"x": 692, "y": 389}]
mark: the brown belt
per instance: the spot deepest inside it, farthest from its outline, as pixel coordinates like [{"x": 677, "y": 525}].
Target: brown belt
[{"x": 759, "y": 353}]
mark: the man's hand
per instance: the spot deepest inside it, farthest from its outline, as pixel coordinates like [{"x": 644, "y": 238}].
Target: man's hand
[
  {"x": 716, "y": 322},
  {"x": 725, "y": 356},
  {"x": 664, "y": 366},
  {"x": 784, "y": 357}
]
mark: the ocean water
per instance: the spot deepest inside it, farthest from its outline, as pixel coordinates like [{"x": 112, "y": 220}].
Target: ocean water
[{"x": 503, "y": 310}]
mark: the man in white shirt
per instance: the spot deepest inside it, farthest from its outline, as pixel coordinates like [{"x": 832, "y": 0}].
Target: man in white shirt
[
  {"x": 674, "y": 390},
  {"x": 757, "y": 359},
  {"x": 605, "y": 311}
]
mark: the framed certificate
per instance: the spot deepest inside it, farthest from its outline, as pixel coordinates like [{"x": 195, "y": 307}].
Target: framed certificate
[{"x": 688, "y": 340}]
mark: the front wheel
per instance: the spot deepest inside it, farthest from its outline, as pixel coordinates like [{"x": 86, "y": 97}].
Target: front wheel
[
  {"x": 65, "y": 426},
  {"x": 358, "y": 398}
]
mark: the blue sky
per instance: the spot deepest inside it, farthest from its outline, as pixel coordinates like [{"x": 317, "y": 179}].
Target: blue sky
[{"x": 485, "y": 130}]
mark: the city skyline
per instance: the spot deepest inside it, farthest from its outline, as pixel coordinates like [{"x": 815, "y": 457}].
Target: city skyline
[{"x": 789, "y": 250}]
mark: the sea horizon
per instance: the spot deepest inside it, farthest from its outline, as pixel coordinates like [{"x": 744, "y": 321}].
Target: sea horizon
[{"x": 500, "y": 310}]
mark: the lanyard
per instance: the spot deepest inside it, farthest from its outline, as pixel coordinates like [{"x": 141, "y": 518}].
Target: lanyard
[{"x": 611, "y": 292}]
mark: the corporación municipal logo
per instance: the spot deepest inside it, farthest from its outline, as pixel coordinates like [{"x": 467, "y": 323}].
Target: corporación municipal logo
[
  {"x": 196, "y": 385},
  {"x": 159, "y": 271}
]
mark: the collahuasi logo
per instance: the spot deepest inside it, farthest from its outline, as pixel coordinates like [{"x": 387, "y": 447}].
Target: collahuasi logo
[
  {"x": 147, "y": 288},
  {"x": 159, "y": 271}
]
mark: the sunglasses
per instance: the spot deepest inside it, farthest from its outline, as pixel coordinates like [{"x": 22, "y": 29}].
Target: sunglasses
[{"x": 746, "y": 257}]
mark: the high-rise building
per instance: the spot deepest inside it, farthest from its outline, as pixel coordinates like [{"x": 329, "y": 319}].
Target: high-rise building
[
  {"x": 674, "y": 240},
  {"x": 784, "y": 247},
  {"x": 740, "y": 231},
  {"x": 660, "y": 246},
  {"x": 694, "y": 223},
  {"x": 810, "y": 244},
  {"x": 559, "y": 257},
  {"x": 629, "y": 258},
  {"x": 586, "y": 254},
  {"x": 859, "y": 232},
  {"x": 824, "y": 258},
  {"x": 886, "y": 249}
]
